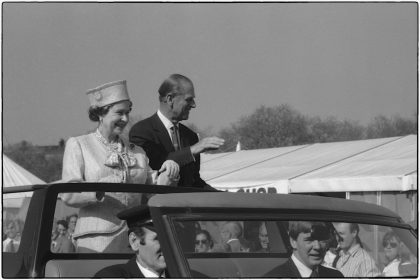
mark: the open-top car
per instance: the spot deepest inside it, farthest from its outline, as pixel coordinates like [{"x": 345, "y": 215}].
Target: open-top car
[{"x": 181, "y": 217}]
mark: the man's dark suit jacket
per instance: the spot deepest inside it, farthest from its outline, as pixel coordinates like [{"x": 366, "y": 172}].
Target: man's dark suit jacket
[
  {"x": 127, "y": 270},
  {"x": 289, "y": 270},
  {"x": 152, "y": 136}
]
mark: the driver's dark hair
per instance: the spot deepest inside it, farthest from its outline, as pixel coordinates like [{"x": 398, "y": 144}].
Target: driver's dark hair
[
  {"x": 172, "y": 85},
  {"x": 297, "y": 227}
]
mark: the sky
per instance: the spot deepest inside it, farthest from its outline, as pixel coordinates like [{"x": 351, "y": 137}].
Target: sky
[{"x": 353, "y": 61}]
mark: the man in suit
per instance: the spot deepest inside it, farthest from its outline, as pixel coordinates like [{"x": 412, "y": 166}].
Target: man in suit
[
  {"x": 309, "y": 242},
  {"x": 148, "y": 261},
  {"x": 163, "y": 137}
]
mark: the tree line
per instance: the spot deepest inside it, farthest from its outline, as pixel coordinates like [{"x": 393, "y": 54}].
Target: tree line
[{"x": 266, "y": 127}]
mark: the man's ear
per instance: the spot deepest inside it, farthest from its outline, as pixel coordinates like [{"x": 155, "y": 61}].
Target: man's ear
[
  {"x": 169, "y": 98},
  {"x": 293, "y": 243},
  {"x": 134, "y": 241}
]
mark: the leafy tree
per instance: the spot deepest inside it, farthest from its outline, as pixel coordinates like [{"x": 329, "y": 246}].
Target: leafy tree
[
  {"x": 382, "y": 126},
  {"x": 269, "y": 127},
  {"x": 283, "y": 126},
  {"x": 332, "y": 130},
  {"x": 35, "y": 160}
]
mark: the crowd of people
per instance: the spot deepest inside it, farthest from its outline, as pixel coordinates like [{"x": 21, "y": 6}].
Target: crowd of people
[
  {"x": 336, "y": 246},
  {"x": 62, "y": 240},
  {"x": 231, "y": 239}
]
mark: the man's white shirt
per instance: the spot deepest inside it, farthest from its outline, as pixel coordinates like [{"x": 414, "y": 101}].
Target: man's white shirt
[
  {"x": 149, "y": 273},
  {"x": 304, "y": 271},
  {"x": 167, "y": 123}
]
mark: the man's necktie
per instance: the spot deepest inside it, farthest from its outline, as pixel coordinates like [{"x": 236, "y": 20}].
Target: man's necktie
[
  {"x": 334, "y": 264},
  {"x": 314, "y": 274},
  {"x": 175, "y": 137},
  {"x": 11, "y": 247}
]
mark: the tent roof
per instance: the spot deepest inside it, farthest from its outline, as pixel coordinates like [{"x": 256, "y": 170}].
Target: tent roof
[
  {"x": 15, "y": 175},
  {"x": 375, "y": 164}
]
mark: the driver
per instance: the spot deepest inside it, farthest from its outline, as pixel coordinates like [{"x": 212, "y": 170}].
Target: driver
[{"x": 148, "y": 261}]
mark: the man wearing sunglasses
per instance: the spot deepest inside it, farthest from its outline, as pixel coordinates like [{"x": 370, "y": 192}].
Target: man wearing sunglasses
[
  {"x": 353, "y": 260},
  {"x": 203, "y": 242}
]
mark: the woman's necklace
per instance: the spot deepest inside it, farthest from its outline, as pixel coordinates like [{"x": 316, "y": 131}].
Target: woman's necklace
[{"x": 116, "y": 155}]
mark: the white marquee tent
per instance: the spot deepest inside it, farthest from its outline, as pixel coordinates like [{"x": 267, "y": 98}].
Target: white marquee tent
[
  {"x": 16, "y": 175},
  {"x": 382, "y": 171},
  {"x": 16, "y": 206}
]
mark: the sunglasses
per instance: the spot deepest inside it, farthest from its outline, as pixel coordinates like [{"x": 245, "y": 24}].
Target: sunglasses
[
  {"x": 201, "y": 242},
  {"x": 392, "y": 244}
]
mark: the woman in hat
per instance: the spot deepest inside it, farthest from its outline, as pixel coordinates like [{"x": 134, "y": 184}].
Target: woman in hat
[{"x": 102, "y": 156}]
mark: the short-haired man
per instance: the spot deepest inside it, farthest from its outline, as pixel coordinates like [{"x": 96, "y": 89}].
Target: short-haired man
[
  {"x": 149, "y": 261},
  {"x": 163, "y": 137},
  {"x": 12, "y": 242},
  {"x": 309, "y": 243},
  {"x": 353, "y": 260},
  {"x": 231, "y": 234}
]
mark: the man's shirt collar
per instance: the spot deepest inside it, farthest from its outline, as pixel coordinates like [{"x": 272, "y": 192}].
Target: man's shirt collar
[
  {"x": 303, "y": 269},
  {"x": 353, "y": 249},
  {"x": 149, "y": 273},
  {"x": 166, "y": 122}
]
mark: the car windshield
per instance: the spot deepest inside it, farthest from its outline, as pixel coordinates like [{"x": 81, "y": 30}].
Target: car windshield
[{"x": 264, "y": 248}]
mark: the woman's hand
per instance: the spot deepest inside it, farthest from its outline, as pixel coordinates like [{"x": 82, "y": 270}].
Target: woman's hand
[{"x": 170, "y": 168}]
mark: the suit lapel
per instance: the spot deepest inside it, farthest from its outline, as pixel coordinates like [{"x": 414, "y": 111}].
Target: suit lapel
[
  {"x": 293, "y": 269},
  {"x": 183, "y": 136},
  {"x": 133, "y": 269},
  {"x": 162, "y": 133}
]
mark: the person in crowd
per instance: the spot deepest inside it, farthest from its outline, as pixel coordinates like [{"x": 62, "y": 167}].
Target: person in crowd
[
  {"x": 62, "y": 244},
  {"x": 163, "y": 137},
  {"x": 309, "y": 241},
  {"x": 408, "y": 265},
  {"x": 72, "y": 220},
  {"x": 392, "y": 244},
  {"x": 263, "y": 239},
  {"x": 353, "y": 260},
  {"x": 397, "y": 257},
  {"x": 148, "y": 261},
  {"x": 332, "y": 252},
  {"x": 102, "y": 156},
  {"x": 12, "y": 242},
  {"x": 203, "y": 242},
  {"x": 231, "y": 234}
]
